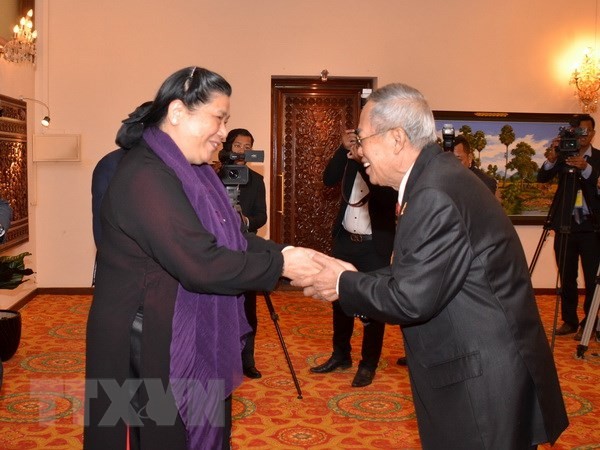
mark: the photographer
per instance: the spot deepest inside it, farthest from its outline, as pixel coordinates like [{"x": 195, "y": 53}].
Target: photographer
[
  {"x": 252, "y": 203},
  {"x": 462, "y": 150},
  {"x": 363, "y": 234},
  {"x": 575, "y": 217}
]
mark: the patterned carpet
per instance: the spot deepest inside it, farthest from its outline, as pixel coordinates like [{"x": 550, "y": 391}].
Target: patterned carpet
[{"x": 41, "y": 398}]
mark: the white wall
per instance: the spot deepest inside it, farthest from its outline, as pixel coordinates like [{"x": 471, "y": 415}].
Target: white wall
[{"x": 98, "y": 60}]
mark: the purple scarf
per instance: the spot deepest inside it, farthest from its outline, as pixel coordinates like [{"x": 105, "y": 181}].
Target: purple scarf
[{"x": 206, "y": 364}]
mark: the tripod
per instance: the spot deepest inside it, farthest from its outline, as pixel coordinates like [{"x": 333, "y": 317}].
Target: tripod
[
  {"x": 275, "y": 318},
  {"x": 569, "y": 184},
  {"x": 591, "y": 320}
]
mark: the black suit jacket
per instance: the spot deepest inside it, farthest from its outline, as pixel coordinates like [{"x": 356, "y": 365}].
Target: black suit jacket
[
  {"x": 489, "y": 181},
  {"x": 481, "y": 369},
  {"x": 564, "y": 199},
  {"x": 382, "y": 202},
  {"x": 103, "y": 173},
  {"x": 253, "y": 201}
]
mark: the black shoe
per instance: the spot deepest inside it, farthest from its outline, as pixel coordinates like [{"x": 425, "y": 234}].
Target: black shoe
[
  {"x": 401, "y": 361},
  {"x": 566, "y": 329},
  {"x": 252, "y": 372},
  {"x": 363, "y": 377},
  {"x": 331, "y": 364},
  {"x": 579, "y": 334}
]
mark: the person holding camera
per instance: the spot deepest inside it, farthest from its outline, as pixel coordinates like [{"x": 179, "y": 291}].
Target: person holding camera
[
  {"x": 253, "y": 210},
  {"x": 462, "y": 150},
  {"x": 363, "y": 234},
  {"x": 575, "y": 217}
]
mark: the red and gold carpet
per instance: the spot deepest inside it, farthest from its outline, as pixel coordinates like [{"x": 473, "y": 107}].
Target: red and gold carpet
[{"x": 41, "y": 401}]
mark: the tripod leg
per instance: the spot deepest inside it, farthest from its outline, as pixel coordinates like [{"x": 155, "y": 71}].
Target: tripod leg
[
  {"x": 538, "y": 250},
  {"x": 275, "y": 319},
  {"x": 589, "y": 324}
]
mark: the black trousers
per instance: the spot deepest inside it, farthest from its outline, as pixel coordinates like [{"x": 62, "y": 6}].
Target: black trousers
[
  {"x": 364, "y": 256},
  {"x": 581, "y": 243}
]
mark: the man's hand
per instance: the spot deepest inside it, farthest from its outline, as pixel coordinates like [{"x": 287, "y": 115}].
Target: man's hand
[
  {"x": 551, "y": 155},
  {"x": 577, "y": 161},
  {"x": 298, "y": 262},
  {"x": 348, "y": 139},
  {"x": 349, "y": 143},
  {"x": 323, "y": 285}
]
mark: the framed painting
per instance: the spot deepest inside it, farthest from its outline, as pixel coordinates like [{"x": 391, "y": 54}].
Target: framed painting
[{"x": 511, "y": 147}]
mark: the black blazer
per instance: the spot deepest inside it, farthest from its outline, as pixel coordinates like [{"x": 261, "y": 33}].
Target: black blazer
[
  {"x": 564, "y": 199},
  {"x": 489, "y": 181},
  {"x": 252, "y": 201},
  {"x": 382, "y": 202},
  {"x": 481, "y": 369}
]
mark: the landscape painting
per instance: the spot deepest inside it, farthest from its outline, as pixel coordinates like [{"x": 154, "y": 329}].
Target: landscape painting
[{"x": 511, "y": 148}]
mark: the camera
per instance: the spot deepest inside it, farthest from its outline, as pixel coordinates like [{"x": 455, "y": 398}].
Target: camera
[
  {"x": 234, "y": 175},
  {"x": 569, "y": 140},
  {"x": 448, "y": 137}
]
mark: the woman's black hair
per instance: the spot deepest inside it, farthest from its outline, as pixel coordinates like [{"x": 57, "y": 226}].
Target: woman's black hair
[
  {"x": 191, "y": 85},
  {"x": 233, "y": 134}
]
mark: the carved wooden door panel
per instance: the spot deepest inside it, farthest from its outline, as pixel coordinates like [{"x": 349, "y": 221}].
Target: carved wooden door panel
[
  {"x": 13, "y": 168},
  {"x": 308, "y": 115}
]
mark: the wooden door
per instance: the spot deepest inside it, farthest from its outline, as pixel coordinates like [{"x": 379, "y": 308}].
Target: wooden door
[{"x": 308, "y": 115}]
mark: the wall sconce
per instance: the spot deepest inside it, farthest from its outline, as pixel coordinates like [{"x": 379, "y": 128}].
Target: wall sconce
[
  {"x": 21, "y": 48},
  {"x": 586, "y": 78},
  {"x": 46, "y": 120}
]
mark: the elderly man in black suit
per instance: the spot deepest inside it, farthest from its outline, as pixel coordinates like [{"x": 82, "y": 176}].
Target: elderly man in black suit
[
  {"x": 481, "y": 369},
  {"x": 363, "y": 233}
]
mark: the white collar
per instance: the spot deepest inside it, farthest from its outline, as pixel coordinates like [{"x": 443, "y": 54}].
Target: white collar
[{"x": 402, "y": 187}]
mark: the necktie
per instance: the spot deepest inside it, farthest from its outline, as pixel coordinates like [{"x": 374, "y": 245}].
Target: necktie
[{"x": 578, "y": 210}]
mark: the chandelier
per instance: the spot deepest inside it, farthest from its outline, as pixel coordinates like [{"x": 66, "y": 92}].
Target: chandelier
[
  {"x": 21, "y": 48},
  {"x": 586, "y": 78}
]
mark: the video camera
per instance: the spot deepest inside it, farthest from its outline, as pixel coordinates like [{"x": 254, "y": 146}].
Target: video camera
[
  {"x": 448, "y": 137},
  {"x": 569, "y": 140},
  {"x": 232, "y": 174},
  {"x": 235, "y": 175}
]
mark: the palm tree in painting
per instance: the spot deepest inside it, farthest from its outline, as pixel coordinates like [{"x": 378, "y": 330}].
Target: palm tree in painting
[{"x": 507, "y": 137}]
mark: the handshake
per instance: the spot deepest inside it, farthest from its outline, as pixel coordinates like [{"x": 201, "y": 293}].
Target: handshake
[{"x": 316, "y": 272}]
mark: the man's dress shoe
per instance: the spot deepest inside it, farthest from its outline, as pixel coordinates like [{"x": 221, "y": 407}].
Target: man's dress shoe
[
  {"x": 565, "y": 328},
  {"x": 252, "y": 372},
  {"x": 363, "y": 377},
  {"x": 401, "y": 361},
  {"x": 330, "y": 365}
]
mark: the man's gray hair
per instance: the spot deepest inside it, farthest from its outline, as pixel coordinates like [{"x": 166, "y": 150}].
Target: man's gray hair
[{"x": 398, "y": 105}]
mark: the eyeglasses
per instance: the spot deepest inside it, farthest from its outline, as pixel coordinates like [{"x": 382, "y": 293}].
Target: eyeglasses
[{"x": 360, "y": 140}]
